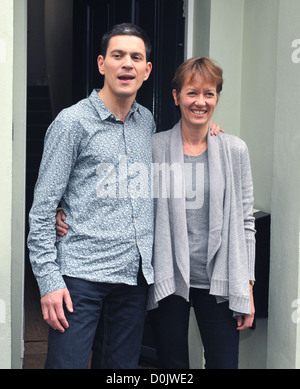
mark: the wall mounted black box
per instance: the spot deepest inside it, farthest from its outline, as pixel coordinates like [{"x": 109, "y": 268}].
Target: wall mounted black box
[{"x": 262, "y": 264}]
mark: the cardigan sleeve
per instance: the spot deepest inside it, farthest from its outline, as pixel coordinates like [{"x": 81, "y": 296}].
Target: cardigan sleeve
[{"x": 249, "y": 220}]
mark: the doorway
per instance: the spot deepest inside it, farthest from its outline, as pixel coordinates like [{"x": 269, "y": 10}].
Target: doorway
[{"x": 72, "y": 30}]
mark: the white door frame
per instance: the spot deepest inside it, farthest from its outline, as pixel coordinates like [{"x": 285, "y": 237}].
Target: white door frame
[{"x": 18, "y": 182}]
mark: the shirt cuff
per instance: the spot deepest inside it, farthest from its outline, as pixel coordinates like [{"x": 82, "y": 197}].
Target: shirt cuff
[{"x": 50, "y": 283}]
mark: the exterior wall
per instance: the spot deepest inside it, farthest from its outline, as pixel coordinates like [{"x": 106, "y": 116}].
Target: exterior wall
[
  {"x": 259, "y": 93},
  {"x": 258, "y": 45},
  {"x": 18, "y": 181},
  {"x": 257, "y": 129},
  {"x": 226, "y": 47},
  {"x": 12, "y": 177},
  {"x": 283, "y": 338},
  {"x": 270, "y": 126},
  {"x": 6, "y": 114}
]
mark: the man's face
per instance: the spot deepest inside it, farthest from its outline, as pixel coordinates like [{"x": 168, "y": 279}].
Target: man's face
[{"x": 125, "y": 66}]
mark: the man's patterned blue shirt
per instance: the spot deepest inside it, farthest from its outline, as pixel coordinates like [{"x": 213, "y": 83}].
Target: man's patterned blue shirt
[{"x": 99, "y": 168}]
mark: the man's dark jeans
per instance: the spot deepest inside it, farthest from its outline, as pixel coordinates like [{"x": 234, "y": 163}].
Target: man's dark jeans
[{"x": 122, "y": 311}]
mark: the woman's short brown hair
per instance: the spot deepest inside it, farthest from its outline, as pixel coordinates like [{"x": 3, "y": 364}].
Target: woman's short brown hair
[{"x": 199, "y": 66}]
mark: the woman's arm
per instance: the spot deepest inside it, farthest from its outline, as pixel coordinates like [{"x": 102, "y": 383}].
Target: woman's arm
[{"x": 61, "y": 226}]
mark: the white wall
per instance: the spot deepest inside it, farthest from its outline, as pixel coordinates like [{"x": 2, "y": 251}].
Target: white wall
[
  {"x": 6, "y": 115},
  {"x": 267, "y": 111},
  {"x": 12, "y": 177},
  {"x": 257, "y": 118},
  {"x": 270, "y": 120},
  {"x": 252, "y": 41},
  {"x": 18, "y": 181},
  {"x": 283, "y": 340},
  {"x": 215, "y": 29},
  {"x": 226, "y": 47},
  {"x": 258, "y": 97}
]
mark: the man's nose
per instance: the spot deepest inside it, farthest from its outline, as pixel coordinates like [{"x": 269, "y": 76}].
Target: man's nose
[{"x": 127, "y": 63}]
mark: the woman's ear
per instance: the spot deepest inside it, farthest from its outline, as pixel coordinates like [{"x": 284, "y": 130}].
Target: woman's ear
[{"x": 175, "y": 96}]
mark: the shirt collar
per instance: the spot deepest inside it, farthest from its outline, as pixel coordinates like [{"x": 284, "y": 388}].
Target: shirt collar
[{"x": 103, "y": 111}]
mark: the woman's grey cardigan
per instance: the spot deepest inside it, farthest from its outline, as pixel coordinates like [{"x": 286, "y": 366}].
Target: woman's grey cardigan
[{"x": 231, "y": 243}]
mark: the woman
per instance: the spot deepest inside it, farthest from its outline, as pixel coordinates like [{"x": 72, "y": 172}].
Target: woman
[
  {"x": 203, "y": 249},
  {"x": 204, "y": 245}
]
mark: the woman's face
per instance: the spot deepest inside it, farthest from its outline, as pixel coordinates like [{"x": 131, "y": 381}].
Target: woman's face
[{"x": 197, "y": 101}]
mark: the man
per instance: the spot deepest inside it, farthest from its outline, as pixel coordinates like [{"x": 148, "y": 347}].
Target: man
[{"x": 102, "y": 268}]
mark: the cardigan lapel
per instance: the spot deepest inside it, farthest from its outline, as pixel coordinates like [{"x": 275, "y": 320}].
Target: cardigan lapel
[
  {"x": 216, "y": 200},
  {"x": 177, "y": 205}
]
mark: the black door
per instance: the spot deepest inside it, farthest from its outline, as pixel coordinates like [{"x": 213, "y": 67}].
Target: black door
[{"x": 162, "y": 20}]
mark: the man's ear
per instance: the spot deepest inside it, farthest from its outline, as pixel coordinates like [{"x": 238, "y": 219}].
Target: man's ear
[
  {"x": 100, "y": 62},
  {"x": 148, "y": 70}
]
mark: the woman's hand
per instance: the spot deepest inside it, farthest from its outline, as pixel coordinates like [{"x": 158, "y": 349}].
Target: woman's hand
[
  {"x": 246, "y": 321},
  {"x": 61, "y": 227}
]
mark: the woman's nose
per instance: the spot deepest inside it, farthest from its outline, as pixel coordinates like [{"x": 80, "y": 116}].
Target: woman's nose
[{"x": 200, "y": 100}]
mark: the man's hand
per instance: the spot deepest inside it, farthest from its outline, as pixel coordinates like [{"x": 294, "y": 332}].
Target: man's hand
[
  {"x": 53, "y": 311},
  {"x": 215, "y": 128},
  {"x": 61, "y": 227}
]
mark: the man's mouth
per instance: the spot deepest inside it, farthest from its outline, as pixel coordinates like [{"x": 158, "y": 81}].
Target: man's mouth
[{"x": 126, "y": 77}]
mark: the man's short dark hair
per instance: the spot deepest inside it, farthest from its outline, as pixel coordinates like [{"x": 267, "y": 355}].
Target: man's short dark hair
[{"x": 126, "y": 29}]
